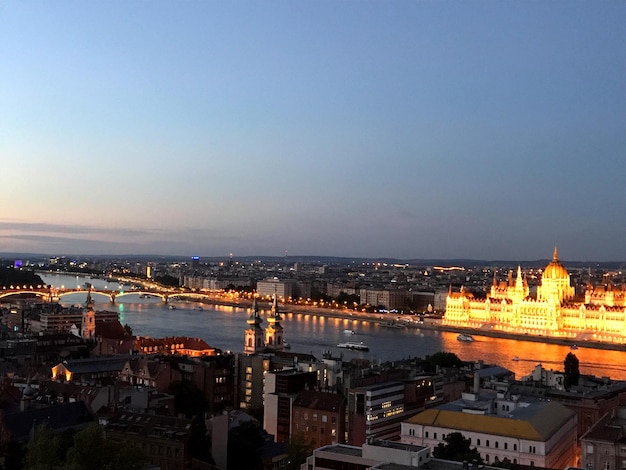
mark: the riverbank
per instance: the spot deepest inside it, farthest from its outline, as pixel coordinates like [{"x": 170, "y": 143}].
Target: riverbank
[{"x": 412, "y": 321}]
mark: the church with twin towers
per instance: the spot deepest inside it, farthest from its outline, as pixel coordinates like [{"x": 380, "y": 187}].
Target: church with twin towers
[{"x": 259, "y": 340}]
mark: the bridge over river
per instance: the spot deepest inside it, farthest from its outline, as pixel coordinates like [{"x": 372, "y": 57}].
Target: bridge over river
[{"x": 55, "y": 294}]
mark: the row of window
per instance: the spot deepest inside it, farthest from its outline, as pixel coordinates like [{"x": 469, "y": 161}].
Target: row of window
[
  {"x": 314, "y": 416},
  {"x": 531, "y": 449}
]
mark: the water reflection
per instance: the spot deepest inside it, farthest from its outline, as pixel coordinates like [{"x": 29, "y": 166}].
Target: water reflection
[{"x": 223, "y": 327}]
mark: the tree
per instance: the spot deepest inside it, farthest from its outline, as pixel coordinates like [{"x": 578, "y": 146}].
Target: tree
[
  {"x": 572, "y": 371},
  {"x": 443, "y": 359},
  {"x": 244, "y": 444},
  {"x": 298, "y": 451},
  {"x": 91, "y": 450},
  {"x": 188, "y": 398},
  {"x": 43, "y": 450},
  {"x": 456, "y": 448},
  {"x": 199, "y": 442}
]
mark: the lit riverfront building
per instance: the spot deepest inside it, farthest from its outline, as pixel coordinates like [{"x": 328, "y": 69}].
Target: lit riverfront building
[{"x": 509, "y": 307}]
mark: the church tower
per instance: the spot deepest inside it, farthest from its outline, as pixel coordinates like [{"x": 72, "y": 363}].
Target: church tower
[
  {"x": 88, "y": 327},
  {"x": 274, "y": 331},
  {"x": 253, "y": 342}
]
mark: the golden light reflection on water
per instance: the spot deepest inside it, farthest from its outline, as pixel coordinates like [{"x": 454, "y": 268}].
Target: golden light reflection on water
[{"x": 523, "y": 356}]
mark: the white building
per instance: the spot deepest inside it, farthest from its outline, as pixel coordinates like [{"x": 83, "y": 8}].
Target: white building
[
  {"x": 269, "y": 288},
  {"x": 525, "y": 432},
  {"x": 377, "y": 454}
]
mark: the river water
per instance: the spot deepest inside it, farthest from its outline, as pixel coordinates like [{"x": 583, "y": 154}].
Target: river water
[{"x": 223, "y": 327}]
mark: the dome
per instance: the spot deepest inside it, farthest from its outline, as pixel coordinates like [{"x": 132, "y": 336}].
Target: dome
[{"x": 555, "y": 270}]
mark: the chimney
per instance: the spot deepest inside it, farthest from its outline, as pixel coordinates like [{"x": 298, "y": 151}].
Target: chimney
[{"x": 476, "y": 383}]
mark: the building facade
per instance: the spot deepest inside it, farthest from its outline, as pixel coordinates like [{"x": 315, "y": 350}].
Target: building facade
[
  {"x": 603, "y": 446},
  {"x": 319, "y": 417},
  {"x": 554, "y": 311},
  {"x": 502, "y": 428}
]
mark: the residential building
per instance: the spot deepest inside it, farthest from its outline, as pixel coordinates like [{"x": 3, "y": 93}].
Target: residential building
[
  {"x": 319, "y": 417},
  {"x": 163, "y": 439},
  {"x": 375, "y": 412},
  {"x": 275, "y": 287},
  {"x": 95, "y": 369},
  {"x": 251, "y": 371},
  {"x": 180, "y": 345},
  {"x": 604, "y": 444},
  {"x": 281, "y": 389}
]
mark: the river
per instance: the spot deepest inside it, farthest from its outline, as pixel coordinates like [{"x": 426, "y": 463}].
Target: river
[{"x": 223, "y": 327}]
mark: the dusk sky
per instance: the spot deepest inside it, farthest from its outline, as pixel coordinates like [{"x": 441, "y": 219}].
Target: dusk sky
[{"x": 405, "y": 129}]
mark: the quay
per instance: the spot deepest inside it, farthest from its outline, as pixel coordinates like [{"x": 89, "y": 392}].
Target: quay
[{"x": 410, "y": 321}]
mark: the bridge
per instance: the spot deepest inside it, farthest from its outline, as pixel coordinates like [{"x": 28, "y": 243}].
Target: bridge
[{"x": 56, "y": 294}]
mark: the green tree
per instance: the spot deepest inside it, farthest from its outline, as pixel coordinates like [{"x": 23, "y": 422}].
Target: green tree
[
  {"x": 14, "y": 455},
  {"x": 443, "y": 359},
  {"x": 244, "y": 444},
  {"x": 199, "y": 442},
  {"x": 43, "y": 450},
  {"x": 188, "y": 398},
  {"x": 456, "y": 448},
  {"x": 572, "y": 371},
  {"x": 298, "y": 451},
  {"x": 167, "y": 280},
  {"x": 92, "y": 450}
]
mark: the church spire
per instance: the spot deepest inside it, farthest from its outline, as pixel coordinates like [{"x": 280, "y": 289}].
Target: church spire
[
  {"x": 555, "y": 256},
  {"x": 274, "y": 331},
  {"x": 89, "y": 300},
  {"x": 253, "y": 339}
]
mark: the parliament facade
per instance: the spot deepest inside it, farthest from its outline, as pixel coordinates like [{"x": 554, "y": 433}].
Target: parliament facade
[{"x": 554, "y": 311}]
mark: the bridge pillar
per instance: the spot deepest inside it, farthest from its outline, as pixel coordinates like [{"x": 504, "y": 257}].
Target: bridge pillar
[
  {"x": 113, "y": 299},
  {"x": 165, "y": 298}
]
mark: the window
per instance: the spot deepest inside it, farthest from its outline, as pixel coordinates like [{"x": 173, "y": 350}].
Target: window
[
  {"x": 477, "y": 442},
  {"x": 496, "y": 444},
  {"x": 434, "y": 435},
  {"x": 324, "y": 419},
  {"x": 426, "y": 434},
  {"x": 506, "y": 446},
  {"x": 487, "y": 443},
  {"x": 514, "y": 446}
]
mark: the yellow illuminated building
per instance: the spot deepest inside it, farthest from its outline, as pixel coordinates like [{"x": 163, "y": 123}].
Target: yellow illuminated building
[{"x": 554, "y": 311}]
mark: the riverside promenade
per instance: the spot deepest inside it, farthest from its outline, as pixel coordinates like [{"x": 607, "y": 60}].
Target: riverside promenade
[{"x": 413, "y": 321}]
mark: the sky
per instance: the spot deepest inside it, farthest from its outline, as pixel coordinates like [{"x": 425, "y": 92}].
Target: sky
[{"x": 402, "y": 129}]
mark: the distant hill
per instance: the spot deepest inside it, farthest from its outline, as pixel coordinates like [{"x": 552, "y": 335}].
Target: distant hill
[{"x": 8, "y": 259}]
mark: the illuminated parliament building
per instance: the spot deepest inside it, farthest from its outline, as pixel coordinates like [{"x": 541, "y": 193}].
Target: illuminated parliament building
[{"x": 554, "y": 311}]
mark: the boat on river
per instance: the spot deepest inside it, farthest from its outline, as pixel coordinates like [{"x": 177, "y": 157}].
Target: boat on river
[
  {"x": 356, "y": 346},
  {"x": 349, "y": 332},
  {"x": 391, "y": 324},
  {"x": 465, "y": 338}
]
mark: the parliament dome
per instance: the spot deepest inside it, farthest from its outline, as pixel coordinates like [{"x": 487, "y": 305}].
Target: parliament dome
[{"x": 555, "y": 270}]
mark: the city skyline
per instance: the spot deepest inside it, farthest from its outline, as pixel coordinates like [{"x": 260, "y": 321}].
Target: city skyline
[{"x": 406, "y": 130}]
